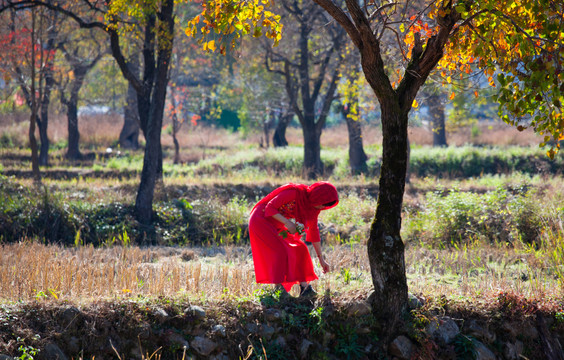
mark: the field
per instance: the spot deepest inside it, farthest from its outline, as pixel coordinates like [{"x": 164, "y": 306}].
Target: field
[{"x": 482, "y": 225}]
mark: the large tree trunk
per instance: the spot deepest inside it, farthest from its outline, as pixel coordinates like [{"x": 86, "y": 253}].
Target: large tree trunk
[
  {"x": 385, "y": 246},
  {"x": 279, "y": 137},
  {"x": 437, "y": 112}
]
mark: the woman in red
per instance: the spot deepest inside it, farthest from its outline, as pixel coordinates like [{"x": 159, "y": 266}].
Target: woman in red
[{"x": 279, "y": 254}]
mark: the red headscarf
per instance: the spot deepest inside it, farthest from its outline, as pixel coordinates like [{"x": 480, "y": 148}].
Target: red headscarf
[{"x": 319, "y": 193}]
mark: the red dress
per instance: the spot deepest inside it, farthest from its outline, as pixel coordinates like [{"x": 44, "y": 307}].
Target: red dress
[{"x": 280, "y": 260}]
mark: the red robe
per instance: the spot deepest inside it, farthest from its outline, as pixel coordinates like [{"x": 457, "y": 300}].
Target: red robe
[{"x": 280, "y": 260}]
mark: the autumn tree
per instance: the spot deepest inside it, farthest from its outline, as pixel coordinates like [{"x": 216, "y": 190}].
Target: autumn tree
[
  {"x": 17, "y": 65},
  {"x": 520, "y": 41},
  {"x": 309, "y": 68},
  {"x": 152, "y": 22}
]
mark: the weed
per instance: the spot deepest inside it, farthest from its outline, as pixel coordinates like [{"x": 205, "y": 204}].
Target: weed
[
  {"x": 347, "y": 346},
  {"x": 28, "y": 352},
  {"x": 465, "y": 347}
]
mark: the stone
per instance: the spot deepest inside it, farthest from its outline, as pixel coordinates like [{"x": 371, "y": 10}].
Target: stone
[
  {"x": 252, "y": 328},
  {"x": 73, "y": 345},
  {"x": 513, "y": 351},
  {"x": 304, "y": 348},
  {"x": 221, "y": 356},
  {"x": 203, "y": 346},
  {"x": 401, "y": 348},
  {"x": 5, "y": 357},
  {"x": 219, "y": 330},
  {"x": 53, "y": 352},
  {"x": 272, "y": 315},
  {"x": 364, "y": 330},
  {"x": 68, "y": 316},
  {"x": 479, "y": 330},
  {"x": 529, "y": 331},
  {"x": 413, "y": 302},
  {"x": 482, "y": 352},
  {"x": 360, "y": 308},
  {"x": 443, "y": 330},
  {"x": 267, "y": 332},
  {"x": 160, "y": 314},
  {"x": 178, "y": 340},
  {"x": 196, "y": 311}
]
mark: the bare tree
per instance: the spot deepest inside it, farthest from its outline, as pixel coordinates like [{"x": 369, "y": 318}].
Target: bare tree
[{"x": 311, "y": 71}]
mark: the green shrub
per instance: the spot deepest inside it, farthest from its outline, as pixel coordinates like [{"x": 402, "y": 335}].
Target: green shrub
[
  {"x": 499, "y": 216},
  {"x": 470, "y": 161}
]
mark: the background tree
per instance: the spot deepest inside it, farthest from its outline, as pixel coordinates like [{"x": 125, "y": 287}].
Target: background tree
[
  {"x": 285, "y": 117},
  {"x": 81, "y": 51},
  {"x": 17, "y": 47},
  {"x": 264, "y": 98},
  {"x": 311, "y": 71},
  {"x": 351, "y": 89},
  {"x": 24, "y": 61},
  {"x": 152, "y": 22},
  {"x": 435, "y": 99}
]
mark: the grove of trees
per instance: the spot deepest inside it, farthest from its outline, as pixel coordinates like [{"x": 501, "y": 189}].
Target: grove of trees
[{"x": 518, "y": 46}]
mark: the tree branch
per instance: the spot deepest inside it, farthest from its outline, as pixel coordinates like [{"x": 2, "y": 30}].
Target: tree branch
[{"x": 343, "y": 19}]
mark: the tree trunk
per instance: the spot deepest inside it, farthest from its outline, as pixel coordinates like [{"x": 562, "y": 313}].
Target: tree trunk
[
  {"x": 313, "y": 166},
  {"x": 279, "y": 137},
  {"x": 357, "y": 156},
  {"x": 129, "y": 135},
  {"x": 266, "y": 122},
  {"x": 152, "y": 162},
  {"x": 34, "y": 149},
  {"x": 175, "y": 126},
  {"x": 32, "y": 101},
  {"x": 73, "y": 150},
  {"x": 385, "y": 246},
  {"x": 437, "y": 112},
  {"x": 44, "y": 119}
]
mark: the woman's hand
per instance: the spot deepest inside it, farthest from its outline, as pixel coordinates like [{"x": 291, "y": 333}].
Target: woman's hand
[
  {"x": 324, "y": 265},
  {"x": 287, "y": 223},
  {"x": 291, "y": 227}
]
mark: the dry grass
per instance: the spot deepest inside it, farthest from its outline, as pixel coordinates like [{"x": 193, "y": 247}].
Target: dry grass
[
  {"x": 103, "y": 131},
  {"x": 35, "y": 272}
]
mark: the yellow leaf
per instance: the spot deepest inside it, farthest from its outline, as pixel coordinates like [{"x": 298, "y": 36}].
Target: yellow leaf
[
  {"x": 211, "y": 45},
  {"x": 415, "y": 104}
]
